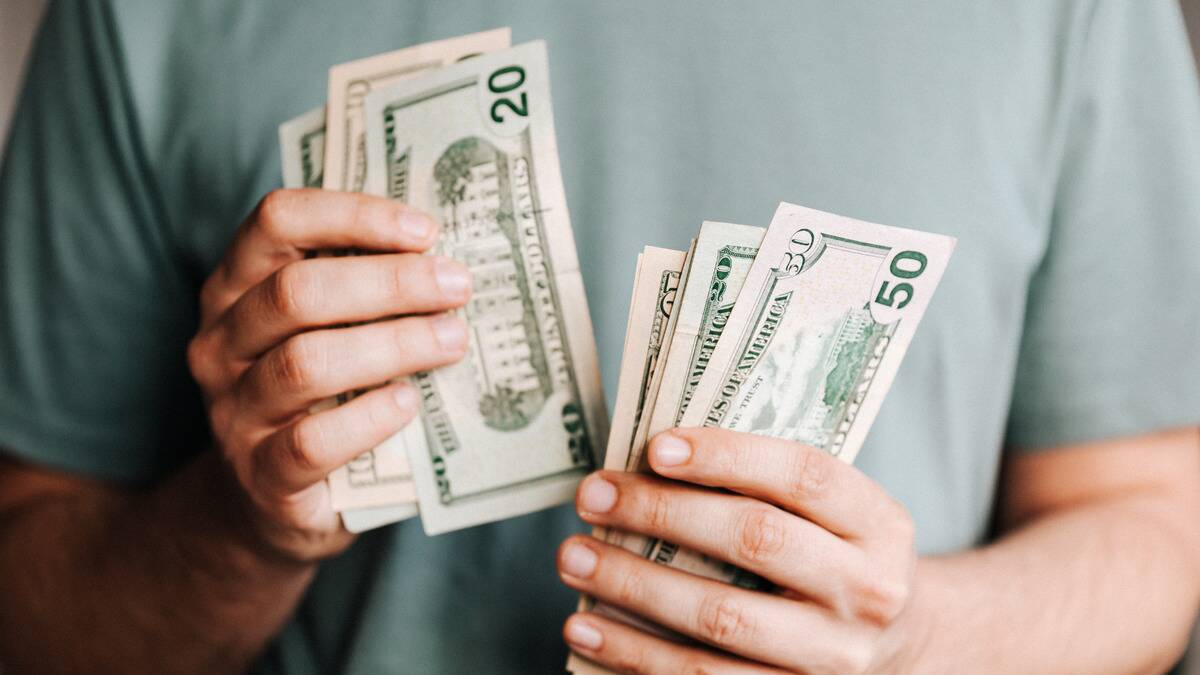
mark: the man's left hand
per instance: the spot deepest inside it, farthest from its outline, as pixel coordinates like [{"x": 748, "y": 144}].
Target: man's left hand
[{"x": 838, "y": 548}]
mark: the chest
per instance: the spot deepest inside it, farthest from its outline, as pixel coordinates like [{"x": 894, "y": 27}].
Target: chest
[
  {"x": 672, "y": 113},
  {"x": 929, "y": 117}
]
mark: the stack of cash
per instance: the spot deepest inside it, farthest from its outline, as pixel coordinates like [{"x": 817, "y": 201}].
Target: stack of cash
[
  {"x": 463, "y": 130},
  {"x": 794, "y": 331}
]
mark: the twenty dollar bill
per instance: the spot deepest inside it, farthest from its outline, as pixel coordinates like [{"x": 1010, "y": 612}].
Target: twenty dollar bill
[
  {"x": 379, "y": 479},
  {"x": 514, "y": 426},
  {"x": 350, "y": 83}
]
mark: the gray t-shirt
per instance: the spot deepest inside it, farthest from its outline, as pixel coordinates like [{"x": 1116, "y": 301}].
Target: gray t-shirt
[{"x": 1059, "y": 141}]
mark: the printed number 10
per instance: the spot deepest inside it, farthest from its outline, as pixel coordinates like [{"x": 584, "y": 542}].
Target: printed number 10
[
  {"x": 902, "y": 293},
  {"x": 503, "y": 81}
]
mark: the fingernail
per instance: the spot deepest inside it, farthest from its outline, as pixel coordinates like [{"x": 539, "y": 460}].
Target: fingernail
[
  {"x": 578, "y": 561},
  {"x": 405, "y": 397},
  {"x": 670, "y": 450},
  {"x": 583, "y": 635},
  {"x": 416, "y": 224},
  {"x": 453, "y": 278},
  {"x": 450, "y": 331},
  {"x": 597, "y": 495}
]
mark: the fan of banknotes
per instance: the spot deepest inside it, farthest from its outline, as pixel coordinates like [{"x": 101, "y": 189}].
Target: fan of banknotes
[
  {"x": 794, "y": 331},
  {"x": 463, "y": 129}
]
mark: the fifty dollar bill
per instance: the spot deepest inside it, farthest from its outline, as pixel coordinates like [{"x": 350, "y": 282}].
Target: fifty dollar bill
[
  {"x": 811, "y": 347},
  {"x": 721, "y": 258},
  {"x": 655, "y": 290},
  {"x": 720, "y": 261}
]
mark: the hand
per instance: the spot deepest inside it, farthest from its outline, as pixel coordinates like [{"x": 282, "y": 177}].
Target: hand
[
  {"x": 839, "y": 549},
  {"x": 277, "y": 336}
]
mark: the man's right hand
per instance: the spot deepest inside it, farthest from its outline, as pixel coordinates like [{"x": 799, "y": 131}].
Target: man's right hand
[{"x": 274, "y": 339}]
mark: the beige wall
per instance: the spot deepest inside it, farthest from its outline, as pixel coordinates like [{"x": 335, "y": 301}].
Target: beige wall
[
  {"x": 1191, "y": 12},
  {"x": 18, "y": 18}
]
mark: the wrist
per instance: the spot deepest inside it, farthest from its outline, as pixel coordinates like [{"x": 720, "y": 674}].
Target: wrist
[{"x": 221, "y": 510}]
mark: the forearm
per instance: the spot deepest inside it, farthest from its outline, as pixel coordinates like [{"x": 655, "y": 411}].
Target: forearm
[
  {"x": 1107, "y": 587},
  {"x": 163, "y": 581}
]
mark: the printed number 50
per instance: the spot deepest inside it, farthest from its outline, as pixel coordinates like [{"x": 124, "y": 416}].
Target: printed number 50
[
  {"x": 902, "y": 293},
  {"x": 503, "y": 81}
]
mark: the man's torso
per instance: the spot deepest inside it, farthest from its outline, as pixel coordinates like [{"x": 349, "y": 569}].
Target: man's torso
[{"x": 930, "y": 116}]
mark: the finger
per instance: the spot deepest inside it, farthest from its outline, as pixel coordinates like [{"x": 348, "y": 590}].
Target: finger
[
  {"x": 287, "y": 224},
  {"x": 796, "y": 477},
  {"x": 755, "y": 625},
  {"x": 328, "y": 291},
  {"x": 313, "y": 366},
  {"x": 779, "y": 546},
  {"x": 304, "y": 452},
  {"x": 627, "y": 650}
]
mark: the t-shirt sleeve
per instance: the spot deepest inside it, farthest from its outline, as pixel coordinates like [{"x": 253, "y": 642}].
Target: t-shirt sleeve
[
  {"x": 1111, "y": 343},
  {"x": 95, "y": 313}
]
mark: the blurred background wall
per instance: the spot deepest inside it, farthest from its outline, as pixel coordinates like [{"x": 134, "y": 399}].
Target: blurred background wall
[
  {"x": 1191, "y": 12},
  {"x": 18, "y": 20}
]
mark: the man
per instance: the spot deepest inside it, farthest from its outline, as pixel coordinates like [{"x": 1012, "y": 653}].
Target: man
[{"x": 162, "y": 501}]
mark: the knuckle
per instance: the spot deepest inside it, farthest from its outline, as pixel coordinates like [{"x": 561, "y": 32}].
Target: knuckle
[
  {"x": 289, "y": 291},
  {"x": 656, "y": 509},
  {"x": 416, "y": 341},
  {"x": 273, "y": 210},
  {"x": 363, "y": 218},
  {"x": 739, "y": 457},
  {"x": 297, "y": 364},
  {"x": 413, "y": 276},
  {"x": 200, "y": 359},
  {"x": 879, "y": 599},
  {"x": 760, "y": 534},
  {"x": 632, "y": 586},
  {"x": 810, "y": 474},
  {"x": 399, "y": 282},
  {"x": 304, "y": 442},
  {"x": 722, "y": 620},
  {"x": 382, "y": 415}
]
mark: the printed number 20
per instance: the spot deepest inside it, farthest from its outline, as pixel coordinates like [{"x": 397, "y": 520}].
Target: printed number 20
[
  {"x": 503, "y": 81},
  {"x": 902, "y": 293}
]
